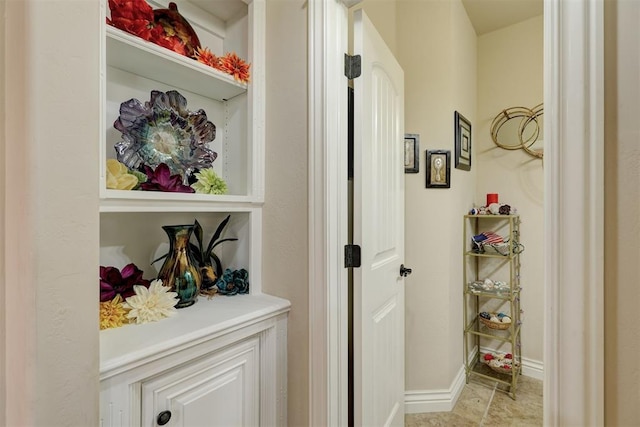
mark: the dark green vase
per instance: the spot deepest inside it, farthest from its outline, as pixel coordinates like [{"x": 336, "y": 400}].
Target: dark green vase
[{"x": 179, "y": 271}]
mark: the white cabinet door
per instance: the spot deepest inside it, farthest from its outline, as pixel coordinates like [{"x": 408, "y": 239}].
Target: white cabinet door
[{"x": 220, "y": 389}]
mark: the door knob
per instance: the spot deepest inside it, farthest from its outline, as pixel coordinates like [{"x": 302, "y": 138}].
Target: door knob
[
  {"x": 404, "y": 271},
  {"x": 163, "y": 417}
]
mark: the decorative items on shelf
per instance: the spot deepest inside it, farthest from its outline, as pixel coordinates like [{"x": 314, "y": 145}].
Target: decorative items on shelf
[
  {"x": 492, "y": 207},
  {"x": 125, "y": 297},
  {"x": 489, "y": 286},
  {"x": 208, "y": 262},
  {"x": 169, "y": 29},
  {"x": 495, "y": 320},
  {"x": 188, "y": 270},
  {"x": 164, "y": 147},
  {"x": 502, "y": 363},
  {"x": 179, "y": 271},
  {"x": 234, "y": 282},
  {"x": 492, "y": 308}
]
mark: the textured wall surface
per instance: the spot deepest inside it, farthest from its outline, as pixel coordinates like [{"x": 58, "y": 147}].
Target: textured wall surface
[
  {"x": 52, "y": 67},
  {"x": 436, "y": 47},
  {"x": 510, "y": 74},
  {"x": 285, "y": 244},
  {"x": 622, "y": 213}
]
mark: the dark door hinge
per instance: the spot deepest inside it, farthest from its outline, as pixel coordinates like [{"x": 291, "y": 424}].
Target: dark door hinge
[
  {"x": 351, "y": 256},
  {"x": 352, "y": 66}
]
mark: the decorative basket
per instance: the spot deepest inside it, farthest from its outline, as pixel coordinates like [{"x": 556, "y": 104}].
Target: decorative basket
[
  {"x": 494, "y": 325},
  {"x": 501, "y": 363}
]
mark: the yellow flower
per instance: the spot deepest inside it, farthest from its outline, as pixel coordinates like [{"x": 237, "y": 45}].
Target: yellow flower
[
  {"x": 150, "y": 305},
  {"x": 118, "y": 176},
  {"x": 112, "y": 313}
]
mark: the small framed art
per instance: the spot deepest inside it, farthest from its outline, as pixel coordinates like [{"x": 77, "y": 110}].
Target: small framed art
[
  {"x": 411, "y": 153},
  {"x": 463, "y": 141},
  {"x": 438, "y": 168}
]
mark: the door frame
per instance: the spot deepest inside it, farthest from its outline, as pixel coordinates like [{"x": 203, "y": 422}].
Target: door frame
[{"x": 573, "y": 177}]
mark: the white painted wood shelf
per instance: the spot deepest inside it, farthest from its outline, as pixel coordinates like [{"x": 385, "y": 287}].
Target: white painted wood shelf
[
  {"x": 123, "y": 348},
  {"x": 137, "y": 56}
]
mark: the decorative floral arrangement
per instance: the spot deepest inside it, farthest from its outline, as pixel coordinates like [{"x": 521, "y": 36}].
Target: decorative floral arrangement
[
  {"x": 233, "y": 282},
  {"x": 125, "y": 297},
  {"x": 114, "y": 282},
  {"x": 169, "y": 29},
  {"x": 119, "y": 177},
  {"x": 229, "y": 63},
  {"x": 164, "y": 147},
  {"x": 161, "y": 179},
  {"x": 208, "y": 182}
]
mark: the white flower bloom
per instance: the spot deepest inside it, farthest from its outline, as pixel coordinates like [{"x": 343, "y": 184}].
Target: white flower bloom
[{"x": 153, "y": 304}]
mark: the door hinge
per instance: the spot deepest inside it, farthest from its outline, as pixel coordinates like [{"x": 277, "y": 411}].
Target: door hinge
[
  {"x": 351, "y": 256},
  {"x": 352, "y": 66}
]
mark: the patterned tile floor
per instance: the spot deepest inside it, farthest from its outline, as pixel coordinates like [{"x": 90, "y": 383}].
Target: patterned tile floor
[{"x": 482, "y": 403}]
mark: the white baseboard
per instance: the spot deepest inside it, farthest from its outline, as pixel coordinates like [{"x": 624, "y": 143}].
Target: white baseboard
[
  {"x": 420, "y": 401},
  {"x": 443, "y": 400}
]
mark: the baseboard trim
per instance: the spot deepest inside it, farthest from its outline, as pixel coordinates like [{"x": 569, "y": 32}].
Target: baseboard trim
[
  {"x": 420, "y": 401},
  {"x": 443, "y": 400}
]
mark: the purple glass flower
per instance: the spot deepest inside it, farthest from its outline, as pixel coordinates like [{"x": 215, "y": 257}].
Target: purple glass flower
[
  {"x": 163, "y": 130},
  {"x": 162, "y": 180},
  {"x": 114, "y": 281}
]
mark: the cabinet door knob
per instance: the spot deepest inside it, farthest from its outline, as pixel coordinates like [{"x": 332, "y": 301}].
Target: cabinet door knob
[
  {"x": 404, "y": 271},
  {"x": 163, "y": 417}
]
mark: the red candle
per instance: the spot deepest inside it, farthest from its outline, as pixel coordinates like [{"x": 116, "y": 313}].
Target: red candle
[{"x": 492, "y": 198}]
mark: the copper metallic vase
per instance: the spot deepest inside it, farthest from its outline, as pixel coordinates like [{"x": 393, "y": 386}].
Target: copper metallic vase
[{"x": 179, "y": 271}]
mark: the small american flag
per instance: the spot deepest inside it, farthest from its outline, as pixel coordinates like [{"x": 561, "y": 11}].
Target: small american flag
[{"x": 488, "y": 237}]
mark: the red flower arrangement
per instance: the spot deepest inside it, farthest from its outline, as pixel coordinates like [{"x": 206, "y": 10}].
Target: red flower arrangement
[
  {"x": 135, "y": 17},
  {"x": 115, "y": 282},
  {"x": 167, "y": 28}
]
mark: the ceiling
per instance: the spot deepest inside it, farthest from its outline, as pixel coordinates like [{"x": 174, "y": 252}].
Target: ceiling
[{"x": 491, "y": 15}]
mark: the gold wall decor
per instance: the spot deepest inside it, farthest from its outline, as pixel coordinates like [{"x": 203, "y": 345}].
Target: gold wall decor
[{"x": 519, "y": 128}]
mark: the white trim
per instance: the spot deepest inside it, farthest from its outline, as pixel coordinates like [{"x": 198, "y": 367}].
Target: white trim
[
  {"x": 417, "y": 402},
  {"x": 533, "y": 368},
  {"x": 573, "y": 375},
  {"x": 328, "y": 298},
  {"x": 574, "y": 215}
]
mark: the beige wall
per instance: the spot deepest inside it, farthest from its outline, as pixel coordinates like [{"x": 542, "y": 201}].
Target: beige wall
[
  {"x": 510, "y": 74},
  {"x": 52, "y": 129},
  {"x": 3, "y": 386},
  {"x": 436, "y": 47},
  {"x": 285, "y": 245},
  {"x": 622, "y": 213}
]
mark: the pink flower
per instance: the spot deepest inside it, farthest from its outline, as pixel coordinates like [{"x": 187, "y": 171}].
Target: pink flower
[{"x": 162, "y": 180}]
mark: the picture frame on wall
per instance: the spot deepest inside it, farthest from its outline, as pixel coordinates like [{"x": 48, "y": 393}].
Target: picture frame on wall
[
  {"x": 462, "y": 130},
  {"x": 411, "y": 153},
  {"x": 438, "y": 168}
]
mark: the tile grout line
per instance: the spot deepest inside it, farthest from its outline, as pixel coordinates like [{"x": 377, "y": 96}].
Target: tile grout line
[{"x": 486, "y": 411}]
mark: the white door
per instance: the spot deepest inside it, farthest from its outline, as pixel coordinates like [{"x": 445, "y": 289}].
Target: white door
[{"x": 379, "y": 230}]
